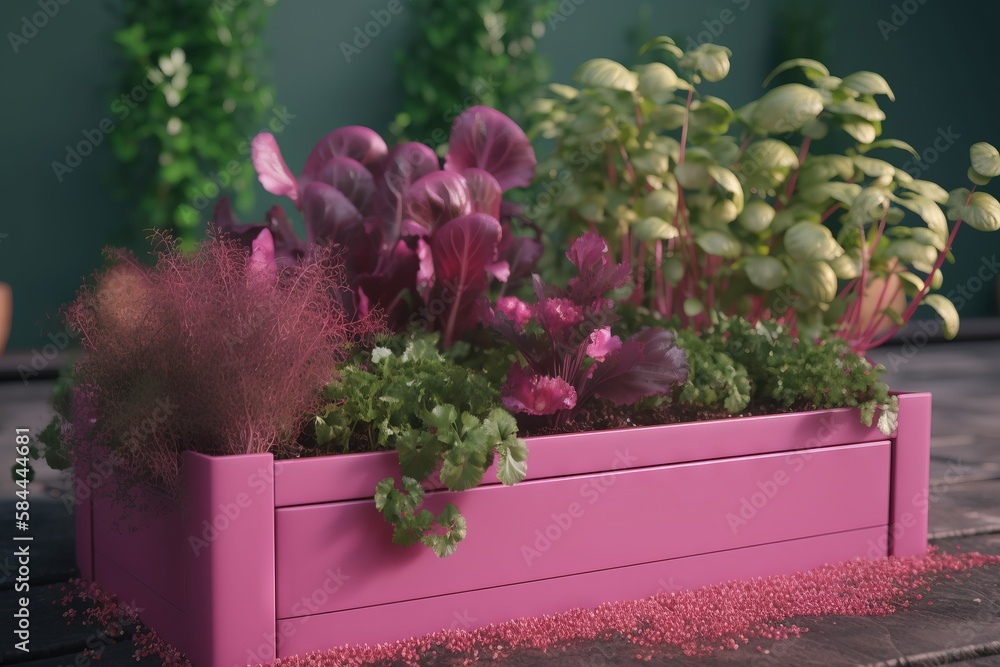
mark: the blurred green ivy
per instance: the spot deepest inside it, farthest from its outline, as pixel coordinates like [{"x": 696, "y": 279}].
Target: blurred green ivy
[
  {"x": 463, "y": 53},
  {"x": 190, "y": 101}
]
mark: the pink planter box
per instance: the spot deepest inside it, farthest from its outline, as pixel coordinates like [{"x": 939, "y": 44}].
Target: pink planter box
[{"x": 270, "y": 558}]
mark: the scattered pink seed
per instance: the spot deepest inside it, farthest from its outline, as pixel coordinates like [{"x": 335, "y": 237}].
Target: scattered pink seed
[{"x": 697, "y": 622}]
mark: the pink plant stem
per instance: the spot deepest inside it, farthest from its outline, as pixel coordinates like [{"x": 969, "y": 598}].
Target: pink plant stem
[
  {"x": 847, "y": 288},
  {"x": 629, "y": 169},
  {"x": 684, "y": 127},
  {"x": 852, "y": 322},
  {"x": 710, "y": 271},
  {"x": 872, "y": 326},
  {"x": 687, "y": 237},
  {"x": 908, "y": 313},
  {"x": 745, "y": 143},
  {"x": 682, "y": 207},
  {"x": 658, "y": 276},
  {"x": 640, "y": 275},
  {"x": 830, "y": 211},
  {"x": 803, "y": 151}
]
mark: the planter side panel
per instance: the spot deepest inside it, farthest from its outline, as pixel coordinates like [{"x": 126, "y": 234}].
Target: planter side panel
[
  {"x": 145, "y": 541},
  {"x": 83, "y": 521},
  {"x": 911, "y": 456},
  {"x": 557, "y": 527},
  {"x": 474, "y": 609}
]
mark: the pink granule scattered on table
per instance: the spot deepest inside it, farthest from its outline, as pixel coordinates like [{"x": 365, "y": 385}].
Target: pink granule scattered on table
[{"x": 696, "y": 622}]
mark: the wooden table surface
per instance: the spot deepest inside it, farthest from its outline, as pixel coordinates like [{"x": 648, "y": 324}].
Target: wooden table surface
[{"x": 962, "y": 626}]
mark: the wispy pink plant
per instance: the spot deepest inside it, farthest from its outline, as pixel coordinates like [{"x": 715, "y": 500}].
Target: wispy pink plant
[{"x": 216, "y": 351}]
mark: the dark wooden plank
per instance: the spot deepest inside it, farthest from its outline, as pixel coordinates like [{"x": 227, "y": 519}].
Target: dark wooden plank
[
  {"x": 51, "y": 549},
  {"x": 992, "y": 661},
  {"x": 105, "y": 655},
  {"x": 51, "y": 634},
  {"x": 963, "y": 506}
]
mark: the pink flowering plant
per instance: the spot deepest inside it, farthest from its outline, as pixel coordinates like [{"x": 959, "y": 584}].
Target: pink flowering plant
[{"x": 567, "y": 352}]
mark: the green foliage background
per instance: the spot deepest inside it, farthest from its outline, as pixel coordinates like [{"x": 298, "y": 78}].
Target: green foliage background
[{"x": 176, "y": 149}]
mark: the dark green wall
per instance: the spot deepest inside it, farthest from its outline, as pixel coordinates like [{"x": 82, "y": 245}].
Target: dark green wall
[{"x": 58, "y": 84}]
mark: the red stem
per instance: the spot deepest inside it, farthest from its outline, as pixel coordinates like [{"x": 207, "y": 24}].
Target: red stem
[
  {"x": 830, "y": 211},
  {"x": 908, "y": 313},
  {"x": 803, "y": 151}
]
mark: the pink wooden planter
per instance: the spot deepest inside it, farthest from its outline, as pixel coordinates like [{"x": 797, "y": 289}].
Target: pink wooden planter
[{"x": 270, "y": 558}]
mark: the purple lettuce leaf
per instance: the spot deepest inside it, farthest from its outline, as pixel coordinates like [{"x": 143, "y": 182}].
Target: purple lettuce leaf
[
  {"x": 330, "y": 216},
  {"x": 352, "y": 179},
  {"x": 425, "y": 272},
  {"x": 520, "y": 252},
  {"x": 288, "y": 249},
  {"x": 405, "y": 164},
  {"x": 483, "y": 138},
  {"x": 598, "y": 272},
  {"x": 272, "y": 172},
  {"x": 354, "y": 141},
  {"x": 484, "y": 191},
  {"x": 437, "y": 198},
  {"x": 261, "y": 264},
  {"x": 462, "y": 249},
  {"x": 647, "y": 364},
  {"x": 384, "y": 288}
]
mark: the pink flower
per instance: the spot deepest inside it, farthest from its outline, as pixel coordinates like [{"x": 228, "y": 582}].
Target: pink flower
[
  {"x": 515, "y": 310},
  {"x": 602, "y": 343},
  {"x": 558, "y": 314},
  {"x": 537, "y": 394}
]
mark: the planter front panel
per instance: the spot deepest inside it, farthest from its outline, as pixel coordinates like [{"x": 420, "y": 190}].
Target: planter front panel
[
  {"x": 473, "y": 609},
  {"x": 584, "y": 523}
]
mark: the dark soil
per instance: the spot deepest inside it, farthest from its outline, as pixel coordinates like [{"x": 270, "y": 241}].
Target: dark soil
[
  {"x": 606, "y": 416},
  {"x": 603, "y": 416}
]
